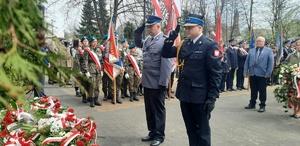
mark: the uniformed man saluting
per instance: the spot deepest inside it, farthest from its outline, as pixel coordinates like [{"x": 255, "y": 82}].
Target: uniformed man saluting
[
  {"x": 155, "y": 76},
  {"x": 199, "y": 62}
]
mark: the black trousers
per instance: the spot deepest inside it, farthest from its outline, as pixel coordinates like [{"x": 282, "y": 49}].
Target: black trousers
[
  {"x": 240, "y": 78},
  {"x": 258, "y": 85},
  {"x": 155, "y": 113},
  {"x": 230, "y": 77},
  {"x": 196, "y": 121},
  {"x": 224, "y": 78}
]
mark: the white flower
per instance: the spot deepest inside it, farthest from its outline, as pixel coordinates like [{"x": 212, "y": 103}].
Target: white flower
[
  {"x": 61, "y": 133},
  {"x": 56, "y": 126},
  {"x": 49, "y": 111},
  {"x": 34, "y": 108},
  {"x": 67, "y": 135},
  {"x": 280, "y": 76}
]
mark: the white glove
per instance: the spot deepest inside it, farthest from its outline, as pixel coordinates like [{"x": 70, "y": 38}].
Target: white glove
[
  {"x": 141, "y": 75},
  {"x": 88, "y": 75},
  {"x": 101, "y": 74},
  {"x": 126, "y": 76}
]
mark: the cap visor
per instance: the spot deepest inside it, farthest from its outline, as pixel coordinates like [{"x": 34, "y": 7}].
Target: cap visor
[
  {"x": 190, "y": 24},
  {"x": 148, "y": 24}
]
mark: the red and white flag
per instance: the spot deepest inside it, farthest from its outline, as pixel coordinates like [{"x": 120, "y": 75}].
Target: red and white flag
[
  {"x": 174, "y": 9},
  {"x": 113, "y": 51},
  {"x": 112, "y": 70},
  {"x": 112, "y": 62},
  {"x": 157, "y": 8},
  {"x": 218, "y": 35}
]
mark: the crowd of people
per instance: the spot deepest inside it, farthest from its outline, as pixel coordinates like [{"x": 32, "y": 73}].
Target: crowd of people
[{"x": 148, "y": 69}]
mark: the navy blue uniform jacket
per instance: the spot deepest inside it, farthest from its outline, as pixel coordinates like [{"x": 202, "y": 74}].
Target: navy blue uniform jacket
[{"x": 201, "y": 74}]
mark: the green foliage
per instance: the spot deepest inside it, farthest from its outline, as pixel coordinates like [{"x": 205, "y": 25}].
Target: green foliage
[
  {"x": 128, "y": 31},
  {"x": 20, "y": 24},
  {"x": 88, "y": 20},
  {"x": 104, "y": 19},
  {"x": 21, "y": 59}
]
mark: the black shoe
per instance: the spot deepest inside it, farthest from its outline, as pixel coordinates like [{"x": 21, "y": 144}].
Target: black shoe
[
  {"x": 148, "y": 138},
  {"x": 123, "y": 96},
  {"x": 126, "y": 95},
  {"x": 89, "y": 99},
  {"x": 261, "y": 109},
  {"x": 135, "y": 97},
  {"x": 92, "y": 103},
  {"x": 239, "y": 88},
  {"x": 293, "y": 115},
  {"x": 297, "y": 117},
  {"x": 84, "y": 99},
  {"x": 223, "y": 90},
  {"x": 230, "y": 89},
  {"x": 105, "y": 98},
  {"x": 155, "y": 143},
  {"x": 250, "y": 106},
  {"x": 244, "y": 88},
  {"x": 78, "y": 94},
  {"x": 119, "y": 101},
  {"x": 96, "y": 101}
]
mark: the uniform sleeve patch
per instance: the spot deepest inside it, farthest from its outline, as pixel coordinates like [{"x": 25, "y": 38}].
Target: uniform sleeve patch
[{"x": 216, "y": 53}]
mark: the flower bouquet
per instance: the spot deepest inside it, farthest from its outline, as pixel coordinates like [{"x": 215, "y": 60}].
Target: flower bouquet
[
  {"x": 288, "y": 91},
  {"x": 44, "y": 122}
]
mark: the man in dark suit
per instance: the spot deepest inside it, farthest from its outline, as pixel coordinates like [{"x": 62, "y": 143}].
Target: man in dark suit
[
  {"x": 232, "y": 56},
  {"x": 200, "y": 74},
  {"x": 155, "y": 77},
  {"x": 287, "y": 49},
  {"x": 259, "y": 64},
  {"x": 225, "y": 69},
  {"x": 242, "y": 55}
]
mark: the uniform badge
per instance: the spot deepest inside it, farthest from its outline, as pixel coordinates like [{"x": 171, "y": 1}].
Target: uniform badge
[{"x": 216, "y": 53}]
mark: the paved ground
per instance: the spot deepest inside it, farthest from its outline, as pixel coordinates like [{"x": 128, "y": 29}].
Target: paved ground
[{"x": 231, "y": 124}]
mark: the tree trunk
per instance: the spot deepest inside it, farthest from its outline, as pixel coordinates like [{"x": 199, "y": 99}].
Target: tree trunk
[{"x": 97, "y": 16}]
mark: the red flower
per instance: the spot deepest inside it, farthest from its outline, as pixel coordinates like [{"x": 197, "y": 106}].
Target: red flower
[
  {"x": 56, "y": 110},
  {"x": 290, "y": 105},
  {"x": 71, "y": 110},
  {"x": 292, "y": 91},
  {"x": 4, "y": 133},
  {"x": 8, "y": 119},
  {"x": 57, "y": 105},
  {"x": 286, "y": 75},
  {"x": 290, "y": 94},
  {"x": 73, "y": 130},
  {"x": 288, "y": 82},
  {"x": 80, "y": 143}
]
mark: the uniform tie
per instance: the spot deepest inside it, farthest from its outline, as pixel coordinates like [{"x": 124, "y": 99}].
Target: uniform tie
[{"x": 191, "y": 43}]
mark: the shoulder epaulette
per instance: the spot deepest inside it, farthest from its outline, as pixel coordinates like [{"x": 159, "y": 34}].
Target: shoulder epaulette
[{"x": 211, "y": 40}]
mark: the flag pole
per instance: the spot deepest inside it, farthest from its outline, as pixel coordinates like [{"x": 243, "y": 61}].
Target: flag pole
[
  {"x": 169, "y": 85},
  {"x": 115, "y": 90},
  {"x": 248, "y": 76}
]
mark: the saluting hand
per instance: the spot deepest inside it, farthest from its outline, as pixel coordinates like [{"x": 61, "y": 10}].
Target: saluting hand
[
  {"x": 140, "y": 29},
  {"x": 174, "y": 33}
]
